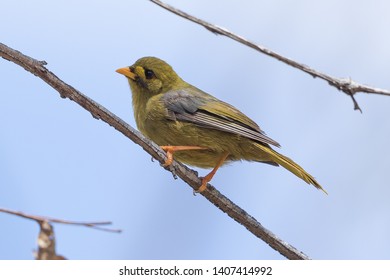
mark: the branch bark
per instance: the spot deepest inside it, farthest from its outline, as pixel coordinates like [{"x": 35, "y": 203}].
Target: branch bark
[
  {"x": 188, "y": 175},
  {"x": 346, "y": 85}
]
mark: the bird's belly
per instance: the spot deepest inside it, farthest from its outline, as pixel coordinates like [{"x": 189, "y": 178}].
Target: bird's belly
[
  {"x": 217, "y": 143},
  {"x": 184, "y": 134}
]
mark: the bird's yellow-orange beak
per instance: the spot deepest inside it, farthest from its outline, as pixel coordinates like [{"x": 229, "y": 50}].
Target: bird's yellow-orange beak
[{"x": 127, "y": 72}]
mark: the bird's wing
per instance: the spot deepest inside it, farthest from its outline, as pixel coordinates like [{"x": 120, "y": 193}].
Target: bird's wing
[{"x": 193, "y": 105}]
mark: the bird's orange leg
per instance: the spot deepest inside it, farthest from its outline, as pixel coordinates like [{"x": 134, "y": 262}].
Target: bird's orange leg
[
  {"x": 210, "y": 176},
  {"x": 171, "y": 149}
]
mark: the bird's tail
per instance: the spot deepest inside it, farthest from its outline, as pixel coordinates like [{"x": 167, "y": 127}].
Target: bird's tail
[{"x": 290, "y": 165}]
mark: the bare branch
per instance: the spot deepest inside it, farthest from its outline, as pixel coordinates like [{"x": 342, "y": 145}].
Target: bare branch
[
  {"x": 188, "y": 175},
  {"x": 40, "y": 219},
  {"x": 46, "y": 238},
  {"x": 345, "y": 85}
]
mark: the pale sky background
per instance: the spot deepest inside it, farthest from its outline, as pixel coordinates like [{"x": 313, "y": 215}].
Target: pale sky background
[{"x": 56, "y": 160}]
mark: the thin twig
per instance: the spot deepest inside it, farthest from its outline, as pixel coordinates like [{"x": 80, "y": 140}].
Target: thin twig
[
  {"x": 40, "y": 219},
  {"x": 346, "y": 85},
  {"x": 188, "y": 175},
  {"x": 46, "y": 238}
]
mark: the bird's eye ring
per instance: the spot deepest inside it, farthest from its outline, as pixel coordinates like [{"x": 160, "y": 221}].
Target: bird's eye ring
[{"x": 149, "y": 74}]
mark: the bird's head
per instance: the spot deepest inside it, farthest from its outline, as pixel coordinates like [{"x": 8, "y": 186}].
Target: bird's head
[{"x": 151, "y": 76}]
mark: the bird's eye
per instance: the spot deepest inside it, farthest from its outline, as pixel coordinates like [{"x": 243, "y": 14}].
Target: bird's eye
[{"x": 149, "y": 74}]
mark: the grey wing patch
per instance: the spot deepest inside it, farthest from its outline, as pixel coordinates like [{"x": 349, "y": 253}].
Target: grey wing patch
[
  {"x": 205, "y": 119},
  {"x": 185, "y": 107},
  {"x": 181, "y": 102}
]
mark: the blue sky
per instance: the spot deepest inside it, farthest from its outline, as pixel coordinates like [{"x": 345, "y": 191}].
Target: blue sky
[{"x": 56, "y": 160}]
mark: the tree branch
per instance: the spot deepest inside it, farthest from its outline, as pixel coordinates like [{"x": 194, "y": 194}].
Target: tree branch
[
  {"x": 46, "y": 238},
  {"x": 94, "y": 225},
  {"x": 345, "y": 85},
  {"x": 188, "y": 175}
]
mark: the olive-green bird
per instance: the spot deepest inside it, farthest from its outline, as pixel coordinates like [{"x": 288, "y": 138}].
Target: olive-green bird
[{"x": 195, "y": 127}]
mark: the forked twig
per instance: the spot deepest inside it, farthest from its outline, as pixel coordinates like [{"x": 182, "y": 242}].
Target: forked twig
[{"x": 46, "y": 238}]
